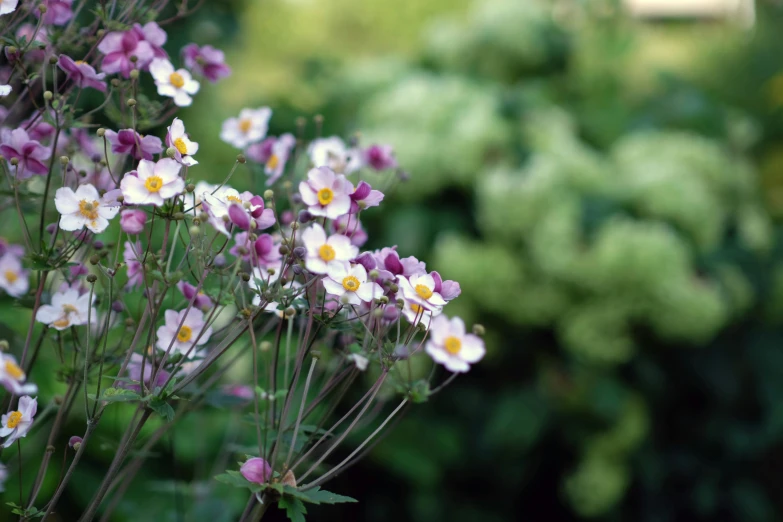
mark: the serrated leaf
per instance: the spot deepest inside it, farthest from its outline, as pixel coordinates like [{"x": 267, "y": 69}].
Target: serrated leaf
[
  {"x": 117, "y": 395},
  {"x": 162, "y": 408},
  {"x": 316, "y": 495},
  {"x": 295, "y": 510}
]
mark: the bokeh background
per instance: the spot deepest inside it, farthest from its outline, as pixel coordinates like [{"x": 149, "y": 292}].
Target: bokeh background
[{"x": 608, "y": 190}]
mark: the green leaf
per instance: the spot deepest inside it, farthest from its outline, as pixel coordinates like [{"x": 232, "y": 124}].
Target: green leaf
[
  {"x": 117, "y": 395},
  {"x": 235, "y": 478},
  {"x": 162, "y": 408},
  {"x": 316, "y": 495},
  {"x": 294, "y": 508}
]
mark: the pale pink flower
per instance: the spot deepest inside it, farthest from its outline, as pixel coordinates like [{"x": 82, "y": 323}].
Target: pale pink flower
[
  {"x": 13, "y": 278},
  {"x": 326, "y": 193},
  {"x": 84, "y": 208},
  {"x": 193, "y": 332},
  {"x": 350, "y": 284},
  {"x": 153, "y": 183},
  {"x": 451, "y": 346},
  {"x": 251, "y": 126},
  {"x": 17, "y": 423},
  {"x": 324, "y": 251}
]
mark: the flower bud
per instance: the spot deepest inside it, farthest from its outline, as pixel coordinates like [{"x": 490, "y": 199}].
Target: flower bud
[
  {"x": 265, "y": 346},
  {"x": 115, "y": 82},
  {"x": 75, "y": 442},
  {"x": 117, "y": 306},
  {"x": 284, "y": 250},
  {"x": 190, "y": 187},
  {"x": 134, "y": 58},
  {"x": 131, "y": 102},
  {"x": 373, "y": 274},
  {"x": 52, "y": 60},
  {"x": 478, "y": 329},
  {"x": 134, "y": 74},
  {"x": 14, "y": 161},
  {"x": 245, "y": 276},
  {"x": 101, "y": 132},
  {"x": 256, "y": 470},
  {"x": 129, "y": 322},
  {"x": 64, "y": 160},
  {"x": 297, "y": 269},
  {"x": 97, "y": 245},
  {"x": 296, "y": 198},
  {"x": 48, "y": 95},
  {"x": 133, "y": 221},
  {"x": 300, "y": 252},
  {"x": 171, "y": 152},
  {"x": 290, "y": 311},
  {"x": 42, "y": 8},
  {"x": 100, "y": 33},
  {"x": 178, "y": 216},
  {"x": 4, "y": 346},
  {"x": 383, "y": 300},
  {"x": 269, "y": 194},
  {"x": 194, "y": 230},
  {"x": 95, "y": 259},
  {"x": 305, "y": 216},
  {"x": 92, "y": 278},
  {"x": 241, "y": 158},
  {"x": 394, "y": 288},
  {"x": 377, "y": 313}
]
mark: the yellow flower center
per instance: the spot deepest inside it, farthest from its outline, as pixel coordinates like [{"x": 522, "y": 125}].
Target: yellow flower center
[
  {"x": 79, "y": 62},
  {"x": 184, "y": 335},
  {"x": 61, "y": 323},
  {"x": 14, "y": 418},
  {"x": 12, "y": 369},
  {"x": 176, "y": 80},
  {"x": 180, "y": 145},
  {"x": 245, "y": 124},
  {"x": 416, "y": 308},
  {"x": 69, "y": 309},
  {"x": 89, "y": 209},
  {"x": 153, "y": 183},
  {"x": 234, "y": 199},
  {"x": 351, "y": 284},
  {"x": 423, "y": 291},
  {"x": 325, "y": 196},
  {"x": 272, "y": 162},
  {"x": 326, "y": 252},
  {"x": 452, "y": 344},
  {"x": 11, "y": 276}
]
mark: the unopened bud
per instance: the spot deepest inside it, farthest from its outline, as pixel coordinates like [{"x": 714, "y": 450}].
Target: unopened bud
[
  {"x": 115, "y": 82},
  {"x": 394, "y": 288},
  {"x": 400, "y": 304},
  {"x": 345, "y": 299},
  {"x": 92, "y": 278},
  {"x": 269, "y": 194},
  {"x": 64, "y": 160},
  {"x": 383, "y": 300},
  {"x": 52, "y": 60},
  {"x": 14, "y": 161},
  {"x": 244, "y": 276},
  {"x": 284, "y": 250},
  {"x": 100, "y": 33},
  {"x": 4, "y": 346},
  {"x": 95, "y": 259},
  {"x": 129, "y": 322},
  {"x": 131, "y": 102},
  {"x": 171, "y": 152},
  {"x": 194, "y": 230},
  {"x": 300, "y": 252},
  {"x": 242, "y": 251},
  {"x": 75, "y": 442},
  {"x": 241, "y": 158},
  {"x": 58, "y": 399},
  {"x": 48, "y": 95},
  {"x": 134, "y": 74},
  {"x": 478, "y": 329},
  {"x": 134, "y": 58},
  {"x": 373, "y": 274},
  {"x": 265, "y": 346},
  {"x": 42, "y": 8},
  {"x": 190, "y": 187},
  {"x": 100, "y": 132},
  {"x": 305, "y": 216},
  {"x": 377, "y": 313},
  {"x": 290, "y": 311},
  {"x": 270, "y": 271},
  {"x": 178, "y": 216}
]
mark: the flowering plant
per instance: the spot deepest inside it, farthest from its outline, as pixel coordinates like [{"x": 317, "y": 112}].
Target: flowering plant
[{"x": 160, "y": 309}]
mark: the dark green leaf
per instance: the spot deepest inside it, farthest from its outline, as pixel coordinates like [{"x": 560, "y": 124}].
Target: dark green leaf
[{"x": 294, "y": 508}]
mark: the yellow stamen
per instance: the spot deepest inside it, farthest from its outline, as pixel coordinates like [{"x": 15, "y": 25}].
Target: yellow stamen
[
  {"x": 69, "y": 309},
  {"x": 351, "y": 284},
  {"x": 452, "y": 345},
  {"x": 326, "y": 252},
  {"x": 423, "y": 291},
  {"x": 14, "y": 418},
  {"x": 416, "y": 308},
  {"x": 325, "y": 196},
  {"x": 234, "y": 199},
  {"x": 61, "y": 323},
  {"x": 245, "y": 125},
  {"x": 179, "y": 144},
  {"x": 12, "y": 369},
  {"x": 184, "y": 335},
  {"x": 11, "y": 276},
  {"x": 176, "y": 80},
  {"x": 89, "y": 209},
  {"x": 272, "y": 162},
  {"x": 153, "y": 183},
  {"x": 79, "y": 62}
]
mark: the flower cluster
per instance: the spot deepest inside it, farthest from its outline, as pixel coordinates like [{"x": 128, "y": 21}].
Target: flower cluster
[{"x": 149, "y": 281}]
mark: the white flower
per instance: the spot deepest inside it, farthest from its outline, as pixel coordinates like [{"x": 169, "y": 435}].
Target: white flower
[
  {"x": 84, "y": 208},
  {"x": 450, "y": 346},
  {"x": 323, "y": 252},
  {"x": 12, "y": 377},
  {"x": 177, "y": 138},
  {"x": 193, "y": 331},
  {"x": 5, "y": 90},
  {"x": 154, "y": 183},
  {"x": 249, "y": 127},
  {"x": 331, "y": 152},
  {"x": 350, "y": 284},
  {"x": 13, "y": 279},
  {"x": 326, "y": 193},
  {"x": 8, "y": 6},
  {"x": 68, "y": 308},
  {"x": 420, "y": 289},
  {"x": 17, "y": 423},
  {"x": 177, "y": 84},
  {"x": 360, "y": 361}
]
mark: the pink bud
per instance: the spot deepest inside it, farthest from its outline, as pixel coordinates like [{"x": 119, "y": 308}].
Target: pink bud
[
  {"x": 75, "y": 442},
  {"x": 132, "y": 221},
  {"x": 256, "y": 470}
]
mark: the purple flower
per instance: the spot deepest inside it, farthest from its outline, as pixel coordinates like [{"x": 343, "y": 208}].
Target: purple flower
[
  {"x": 27, "y": 31},
  {"x": 119, "y": 46},
  {"x": 261, "y": 152},
  {"x": 58, "y": 12},
  {"x": 239, "y": 391},
  {"x": 82, "y": 73},
  {"x": 7, "y": 248},
  {"x": 133, "y": 254},
  {"x": 256, "y": 470},
  {"x": 447, "y": 289},
  {"x": 128, "y": 141},
  {"x": 133, "y": 221},
  {"x": 206, "y": 61},
  {"x": 153, "y": 35},
  {"x": 267, "y": 251},
  {"x": 349, "y": 225},
  {"x": 389, "y": 264},
  {"x": 364, "y": 197},
  {"x": 134, "y": 373},
  {"x": 273, "y": 153},
  {"x": 200, "y": 300},
  {"x": 379, "y": 157},
  {"x": 30, "y": 153},
  {"x": 38, "y": 130}
]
